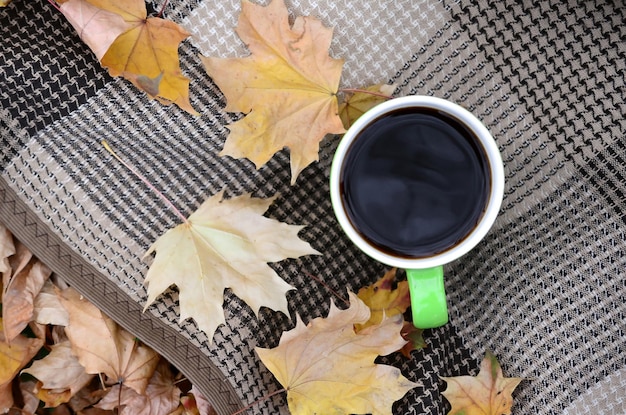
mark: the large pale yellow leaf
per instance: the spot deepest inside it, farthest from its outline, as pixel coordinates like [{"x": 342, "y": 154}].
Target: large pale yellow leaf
[
  {"x": 489, "y": 393},
  {"x": 224, "y": 244},
  {"x": 101, "y": 346},
  {"x": 287, "y": 86},
  {"x": 329, "y": 369}
]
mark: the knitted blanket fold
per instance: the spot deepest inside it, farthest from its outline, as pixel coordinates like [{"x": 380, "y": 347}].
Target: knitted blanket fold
[{"x": 544, "y": 291}]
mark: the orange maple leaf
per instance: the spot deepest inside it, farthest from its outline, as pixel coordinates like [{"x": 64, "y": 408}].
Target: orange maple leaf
[
  {"x": 130, "y": 44},
  {"x": 287, "y": 86}
]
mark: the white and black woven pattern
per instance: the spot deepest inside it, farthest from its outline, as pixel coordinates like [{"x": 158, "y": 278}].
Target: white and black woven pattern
[{"x": 544, "y": 291}]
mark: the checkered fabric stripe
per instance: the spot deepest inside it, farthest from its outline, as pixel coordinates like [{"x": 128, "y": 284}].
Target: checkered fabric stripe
[{"x": 544, "y": 291}]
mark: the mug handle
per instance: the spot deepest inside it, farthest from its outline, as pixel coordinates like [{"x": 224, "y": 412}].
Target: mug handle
[{"x": 428, "y": 297}]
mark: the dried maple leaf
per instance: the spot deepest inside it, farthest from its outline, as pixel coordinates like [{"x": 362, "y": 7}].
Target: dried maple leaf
[
  {"x": 357, "y": 103},
  {"x": 142, "y": 49},
  {"x": 19, "y": 294},
  {"x": 6, "y": 398},
  {"x": 14, "y": 357},
  {"x": 161, "y": 397},
  {"x": 60, "y": 370},
  {"x": 194, "y": 403},
  {"x": 7, "y": 249},
  {"x": 224, "y": 244},
  {"x": 287, "y": 86},
  {"x": 52, "y": 398},
  {"x": 327, "y": 368},
  {"x": 48, "y": 308},
  {"x": 101, "y": 346},
  {"x": 31, "y": 402},
  {"x": 489, "y": 393}
]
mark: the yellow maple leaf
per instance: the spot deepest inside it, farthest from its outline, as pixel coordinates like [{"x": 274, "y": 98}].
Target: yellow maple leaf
[
  {"x": 488, "y": 393},
  {"x": 329, "y": 369},
  {"x": 130, "y": 44},
  {"x": 224, "y": 244},
  {"x": 101, "y": 346},
  {"x": 287, "y": 86},
  {"x": 383, "y": 300}
]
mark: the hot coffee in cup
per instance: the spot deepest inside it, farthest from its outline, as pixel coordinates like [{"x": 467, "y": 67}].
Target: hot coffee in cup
[{"x": 416, "y": 183}]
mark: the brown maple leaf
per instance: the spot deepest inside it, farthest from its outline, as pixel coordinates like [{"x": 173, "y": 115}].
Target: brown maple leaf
[
  {"x": 161, "y": 396},
  {"x": 488, "y": 393},
  {"x": 21, "y": 287},
  {"x": 287, "y": 87},
  {"x": 101, "y": 346}
]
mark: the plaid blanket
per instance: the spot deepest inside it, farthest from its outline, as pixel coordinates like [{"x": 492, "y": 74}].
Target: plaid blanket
[{"x": 545, "y": 291}]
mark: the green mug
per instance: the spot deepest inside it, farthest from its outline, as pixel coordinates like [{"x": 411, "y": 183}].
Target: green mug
[{"x": 417, "y": 182}]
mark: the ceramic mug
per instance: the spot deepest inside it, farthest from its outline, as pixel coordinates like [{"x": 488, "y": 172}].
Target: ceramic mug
[{"x": 415, "y": 183}]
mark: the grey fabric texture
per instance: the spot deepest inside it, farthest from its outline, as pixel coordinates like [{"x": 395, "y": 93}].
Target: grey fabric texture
[{"x": 545, "y": 290}]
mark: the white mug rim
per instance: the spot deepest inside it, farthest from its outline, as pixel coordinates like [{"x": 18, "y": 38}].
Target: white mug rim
[{"x": 495, "y": 196}]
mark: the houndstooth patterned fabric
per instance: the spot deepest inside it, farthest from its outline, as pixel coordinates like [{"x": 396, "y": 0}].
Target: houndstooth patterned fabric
[{"x": 545, "y": 291}]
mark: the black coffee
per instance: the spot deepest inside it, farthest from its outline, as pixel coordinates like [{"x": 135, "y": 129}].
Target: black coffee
[{"x": 415, "y": 182}]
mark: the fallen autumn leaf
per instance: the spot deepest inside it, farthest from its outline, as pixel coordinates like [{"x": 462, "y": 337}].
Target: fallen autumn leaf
[
  {"x": 327, "y": 368},
  {"x": 287, "y": 87}
]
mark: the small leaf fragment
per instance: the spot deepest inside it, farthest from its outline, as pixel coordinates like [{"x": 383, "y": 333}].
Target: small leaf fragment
[
  {"x": 358, "y": 103},
  {"x": 383, "y": 299}
]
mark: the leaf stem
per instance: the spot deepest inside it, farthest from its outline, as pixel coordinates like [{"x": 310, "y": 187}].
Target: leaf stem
[
  {"x": 143, "y": 179},
  {"x": 365, "y": 91},
  {"x": 55, "y": 5},
  {"x": 328, "y": 287},
  {"x": 163, "y": 8},
  {"x": 258, "y": 401}
]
